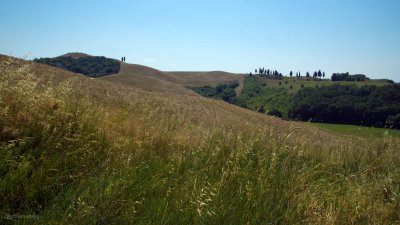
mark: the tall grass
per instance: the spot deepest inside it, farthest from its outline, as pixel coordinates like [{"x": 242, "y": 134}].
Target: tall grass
[{"x": 69, "y": 158}]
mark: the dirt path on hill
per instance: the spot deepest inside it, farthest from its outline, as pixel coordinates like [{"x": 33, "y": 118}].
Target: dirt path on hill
[{"x": 239, "y": 88}]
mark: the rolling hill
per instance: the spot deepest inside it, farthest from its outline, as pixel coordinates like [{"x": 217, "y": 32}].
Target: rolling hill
[
  {"x": 92, "y": 66},
  {"x": 146, "y": 78},
  {"x": 275, "y": 96},
  {"x": 140, "y": 76},
  {"x": 77, "y": 150}
]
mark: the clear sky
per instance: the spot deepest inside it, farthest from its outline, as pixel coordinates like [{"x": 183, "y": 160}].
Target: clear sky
[{"x": 356, "y": 36}]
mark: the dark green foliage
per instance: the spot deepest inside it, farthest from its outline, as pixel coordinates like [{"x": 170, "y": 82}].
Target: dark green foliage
[
  {"x": 95, "y": 66},
  {"x": 225, "y": 92},
  {"x": 348, "y": 104},
  {"x": 254, "y": 95},
  {"x": 348, "y": 77}
]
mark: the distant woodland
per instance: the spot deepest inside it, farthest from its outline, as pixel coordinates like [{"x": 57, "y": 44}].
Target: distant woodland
[
  {"x": 94, "y": 66},
  {"x": 349, "y": 104}
]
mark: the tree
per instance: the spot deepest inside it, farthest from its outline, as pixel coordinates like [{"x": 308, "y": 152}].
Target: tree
[
  {"x": 255, "y": 71},
  {"x": 319, "y": 74},
  {"x": 323, "y": 74},
  {"x": 308, "y": 75},
  {"x": 291, "y": 73}
]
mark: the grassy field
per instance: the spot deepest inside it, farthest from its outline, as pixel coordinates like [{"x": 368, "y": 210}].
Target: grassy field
[
  {"x": 79, "y": 151},
  {"x": 296, "y": 84},
  {"x": 358, "y": 130}
]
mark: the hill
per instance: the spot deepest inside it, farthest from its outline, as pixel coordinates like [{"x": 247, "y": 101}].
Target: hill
[
  {"x": 76, "y": 150},
  {"x": 138, "y": 75},
  {"x": 274, "y": 96},
  {"x": 177, "y": 82},
  {"x": 199, "y": 79},
  {"x": 92, "y": 66},
  {"x": 147, "y": 78}
]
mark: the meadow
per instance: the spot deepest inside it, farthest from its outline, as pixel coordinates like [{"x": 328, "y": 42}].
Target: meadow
[
  {"x": 358, "y": 130},
  {"x": 80, "y": 151}
]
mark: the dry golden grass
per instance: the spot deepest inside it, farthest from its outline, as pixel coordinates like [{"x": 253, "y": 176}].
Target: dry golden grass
[
  {"x": 199, "y": 79},
  {"x": 146, "y": 78},
  {"x": 75, "y": 150}
]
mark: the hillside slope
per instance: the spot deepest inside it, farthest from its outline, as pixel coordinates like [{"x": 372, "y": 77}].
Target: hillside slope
[
  {"x": 92, "y": 66},
  {"x": 75, "y": 150},
  {"x": 198, "y": 79},
  {"x": 146, "y": 78}
]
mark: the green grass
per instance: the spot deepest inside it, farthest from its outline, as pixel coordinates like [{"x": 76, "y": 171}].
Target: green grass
[
  {"x": 286, "y": 82},
  {"x": 358, "y": 130},
  {"x": 69, "y": 158},
  {"x": 255, "y": 96},
  {"x": 274, "y": 94}
]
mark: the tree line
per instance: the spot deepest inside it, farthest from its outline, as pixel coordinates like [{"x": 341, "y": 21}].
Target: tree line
[
  {"x": 349, "y": 104},
  {"x": 274, "y": 74},
  {"x": 347, "y": 77}
]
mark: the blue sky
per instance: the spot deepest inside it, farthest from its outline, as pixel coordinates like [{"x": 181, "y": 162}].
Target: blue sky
[{"x": 356, "y": 36}]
